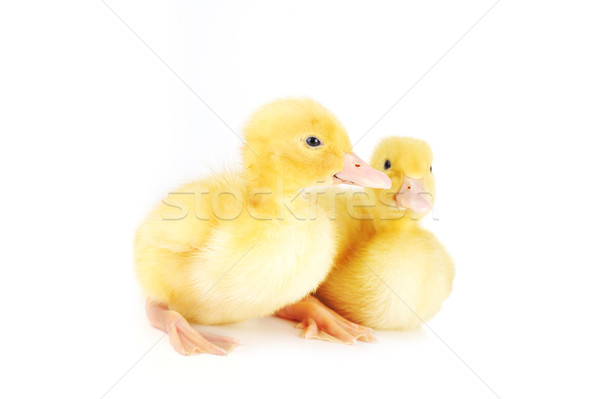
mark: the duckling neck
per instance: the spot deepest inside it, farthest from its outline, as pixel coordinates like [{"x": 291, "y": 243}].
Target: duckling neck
[
  {"x": 394, "y": 220},
  {"x": 270, "y": 198}
]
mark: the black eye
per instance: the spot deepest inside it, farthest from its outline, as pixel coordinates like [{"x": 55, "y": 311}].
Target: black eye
[
  {"x": 431, "y": 168},
  {"x": 313, "y": 141},
  {"x": 387, "y": 164}
]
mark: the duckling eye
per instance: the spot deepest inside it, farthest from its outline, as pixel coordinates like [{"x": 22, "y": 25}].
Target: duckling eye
[
  {"x": 312, "y": 141},
  {"x": 387, "y": 164},
  {"x": 430, "y": 169}
]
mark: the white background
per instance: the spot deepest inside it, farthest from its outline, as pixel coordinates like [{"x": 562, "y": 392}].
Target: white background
[{"x": 95, "y": 129}]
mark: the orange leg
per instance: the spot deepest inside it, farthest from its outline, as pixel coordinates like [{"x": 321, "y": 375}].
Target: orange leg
[
  {"x": 184, "y": 339},
  {"x": 321, "y": 322}
]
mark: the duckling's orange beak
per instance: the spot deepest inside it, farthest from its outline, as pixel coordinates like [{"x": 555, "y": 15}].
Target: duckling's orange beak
[
  {"x": 412, "y": 195},
  {"x": 358, "y": 172}
]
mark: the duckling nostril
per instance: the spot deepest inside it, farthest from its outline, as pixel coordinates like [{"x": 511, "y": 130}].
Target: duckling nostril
[{"x": 409, "y": 187}]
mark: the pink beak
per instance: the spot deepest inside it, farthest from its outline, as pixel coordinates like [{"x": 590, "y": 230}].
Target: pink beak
[
  {"x": 358, "y": 172},
  {"x": 412, "y": 195}
]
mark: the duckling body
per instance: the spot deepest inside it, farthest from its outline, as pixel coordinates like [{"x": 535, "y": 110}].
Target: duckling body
[
  {"x": 391, "y": 286},
  {"x": 247, "y": 242},
  {"x": 390, "y": 273},
  {"x": 233, "y": 269}
]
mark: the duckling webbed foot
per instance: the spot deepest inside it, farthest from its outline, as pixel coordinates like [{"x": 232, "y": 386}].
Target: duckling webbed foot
[
  {"x": 320, "y": 322},
  {"x": 185, "y": 339}
]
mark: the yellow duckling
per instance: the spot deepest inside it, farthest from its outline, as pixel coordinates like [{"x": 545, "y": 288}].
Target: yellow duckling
[
  {"x": 245, "y": 243},
  {"x": 390, "y": 273}
]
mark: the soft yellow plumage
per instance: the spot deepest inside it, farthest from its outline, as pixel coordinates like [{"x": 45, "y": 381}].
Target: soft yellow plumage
[
  {"x": 247, "y": 242},
  {"x": 190, "y": 269},
  {"x": 390, "y": 273}
]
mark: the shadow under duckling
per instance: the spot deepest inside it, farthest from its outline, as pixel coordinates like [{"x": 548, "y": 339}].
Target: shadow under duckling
[
  {"x": 242, "y": 244},
  {"x": 390, "y": 273}
]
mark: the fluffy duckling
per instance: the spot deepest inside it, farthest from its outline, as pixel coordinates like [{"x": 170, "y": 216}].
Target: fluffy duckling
[
  {"x": 245, "y": 243},
  {"x": 390, "y": 273}
]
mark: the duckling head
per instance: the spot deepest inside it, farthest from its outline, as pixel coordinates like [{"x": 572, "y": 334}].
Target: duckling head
[
  {"x": 299, "y": 143},
  {"x": 407, "y": 161}
]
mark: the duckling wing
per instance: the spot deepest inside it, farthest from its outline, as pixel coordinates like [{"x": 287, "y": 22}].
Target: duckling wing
[{"x": 184, "y": 219}]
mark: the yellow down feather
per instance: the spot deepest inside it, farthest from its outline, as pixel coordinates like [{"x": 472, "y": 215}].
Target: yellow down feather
[
  {"x": 389, "y": 272},
  {"x": 246, "y": 242}
]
